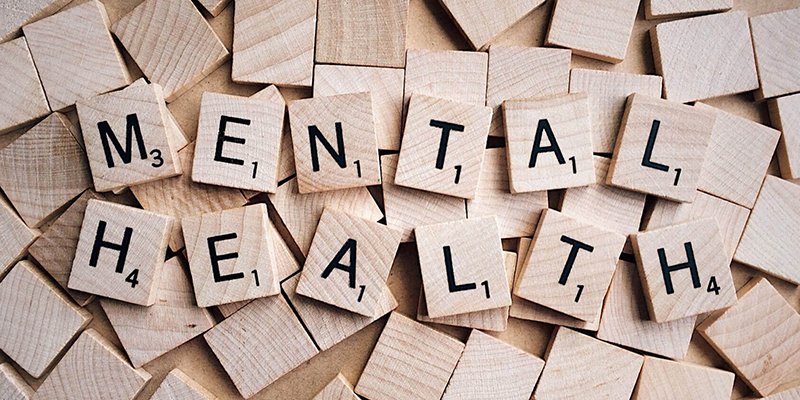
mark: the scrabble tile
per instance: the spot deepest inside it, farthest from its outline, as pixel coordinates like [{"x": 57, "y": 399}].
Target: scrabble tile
[
  {"x": 683, "y": 272},
  {"x": 443, "y": 146},
  {"x": 758, "y": 337},
  {"x": 37, "y": 320},
  {"x": 338, "y": 389},
  {"x": 737, "y": 159},
  {"x": 408, "y": 208},
  {"x": 370, "y": 32},
  {"x": 179, "y": 197},
  {"x": 15, "y": 14},
  {"x": 769, "y": 241},
  {"x": 570, "y": 266},
  {"x": 147, "y": 333},
  {"x": 785, "y": 115},
  {"x": 285, "y": 154},
  {"x": 301, "y": 212},
  {"x": 521, "y": 73},
  {"x": 410, "y": 361},
  {"x": 654, "y": 9},
  {"x": 327, "y": 324},
  {"x": 15, "y": 236},
  {"x": 93, "y": 369},
  {"x": 176, "y": 55},
  {"x": 175, "y": 133},
  {"x": 462, "y": 267},
  {"x": 12, "y": 385},
  {"x": 775, "y": 40},
  {"x": 91, "y": 66},
  {"x": 21, "y": 94},
  {"x": 46, "y": 168},
  {"x": 273, "y": 41},
  {"x": 591, "y": 29},
  {"x": 490, "y": 368},
  {"x": 238, "y": 140},
  {"x": 214, "y": 7},
  {"x": 260, "y": 343},
  {"x": 579, "y": 367},
  {"x": 386, "y": 86},
  {"x": 139, "y": 114},
  {"x": 335, "y": 274},
  {"x": 453, "y": 75},
  {"x": 178, "y": 385},
  {"x": 120, "y": 252},
  {"x": 548, "y": 143},
  {"x": 625, "y": 321},
  {"x": 717, "y": 62},
  {"x": 661, "y": 148},
  {"x": 345, "y": 121},
  {"x": 664, "y": 379},
  {"x": 608, "y": 91},
  {"x": 481, "y": 22}
]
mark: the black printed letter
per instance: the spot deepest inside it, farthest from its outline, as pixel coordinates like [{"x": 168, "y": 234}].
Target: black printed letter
[
  {"x": 544, "y": 126},
  {"x": 131, "y": 128},
  {"x": 122, "y": 248},
  {"x": 573, "y": 253},
  {"x": 667, "y": 269},
  {"x": 446, "y": 127},
  {"x": 222, "y": 138},
  {"x": 216, "y": 258},
  {"x": 314, "y": 134},
  {"x": 451, "y": 276},
  {"x": 648, "y": 150},
  {"x": 336, "y": 263}
]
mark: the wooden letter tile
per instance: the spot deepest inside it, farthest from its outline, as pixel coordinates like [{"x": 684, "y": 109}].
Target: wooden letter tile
[
  {"x": 481, "y": 22},
  {"x": 21, "y": 95},
  {"x": 338, "y": 389},
  {"x": 15, "y": 236},
  {"x": 18, "y": 13},
  {"x": 462, "y": 267},
  {"x": 661, "y": 148},
  {"x": 443, "y": 146},
  {"x": 776, "y": 41},
  {"x": 453, "y": 75},
  {"x": 683, "y": 271},
  {"x": 178, "y": 385},
  {"x": 654, "y": 9},
  {"x": 12, "y": 385},
  {"x": 666, "y": 380},
  {"x": 548, "y": 143},
  {"x": 120, "y": 252},
  {"x": 785, "y": 115},
  {"x": 759, "y": 337},
  {"x": 410, "y": 361},
  {"x": 334, "y": 142}
]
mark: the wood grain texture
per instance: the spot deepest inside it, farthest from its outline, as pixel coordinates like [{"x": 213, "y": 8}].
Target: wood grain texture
[
  {"x": 179, "y": 386},
  {"x": 776, "y": 43},
  {"x": 591, "y": 29},
  {"x": 682, "y": 134},
  {"x": 704, "y": 57},
  {"x": 654, "y": 9},
  {"x": 664, "y": 379},
  {"x": 492, "y": 369},
  {"x": 758, "y": 337},
  {"x": 768, "y": 243},
  {"x": 338, "y": 389},
  {"x": 214, "y": 7},
  {"x": 21, "y": 94},
  {"x": 785, "y": 115},
  {"x": 369, "y": 32},
  {"x": 608, "y": 91},
  {"x": 453, "y": 75},
  {"x": 175, "y": 55},
  {"x": 790, "y": 394},
  {"x": 136, "y": 282},
  {"x": 419, "y": 165},
  {"x": 481, "y": 22},
  {"x": 175, "y": 133},
  {"x": 147, "y": 333},
  {"x": 17, "y": 13},
  {"x": 37, "y": 320},
  {"x": 285, "y": 154},
  {"x": 12, "y": 385},
  {"x": 93, "y": 369},
  {"x": 273, "y": 42},
  {"x": 410, "y": 361},
  {"x": 581, "y": 367},
  {"x": 15, "y": 236}
]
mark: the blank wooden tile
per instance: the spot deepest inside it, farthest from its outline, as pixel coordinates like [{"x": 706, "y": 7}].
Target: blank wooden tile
[
  {"x": 177, "y": 385},
  {"x": 238, "y": 141},
  {"x": 260, "y": 343},
  {"x": 758, "y": 337},
  {"x": 661, "y": 148},
  {"x": 521, "y": 73},
  {"x": 175, "y": 55},
  {"x": 370, "y": 32},
  {"x": 581, "y": 367},
  {"x": 108, "y": 120},
  {"x": 408, "y": 208},
  {"x": 443, "y": 146},
  {"x": 334, "y": 142},
  {"x": 535, "y": 162},
  {"x": 492, "y": 369},
  {"x": 785, "y": 115},
  {"x": 75, "y": 55},
  {"x": 591, "y": 29},
  {"x": 410, "y": 361},
  {"x": 273, "y": 41},
  {"x": 625, "y": 321},
  {"x": 21, "y": 94},
  {"x": 214, "y": 7},
  {"x": 147, "y": 333},
  {"x": 570, "y": 266},
  {"x": 683, "y": 271},
  {"x": 93, "y": 369},
  {"x": 17, "y": 13},
  {"x": 15, "y": 236},
  {"x": 386, "y": 86},
  {"x": 775, "y": 41},
  {"x": 654, "y": 9},
  {"x": 769, "y": 242},
  {"x": 717, "y": 61},
  {"x": 664, "y": 379},
  {"x": 608, "y": 92},
  {"x": 481, "y": 22},
  {"x": 338, "y": 389},
  {"x": 453, "y": 75},
  {"x": 12, "y": 385},
  {"x": 120, "y": 252}
]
